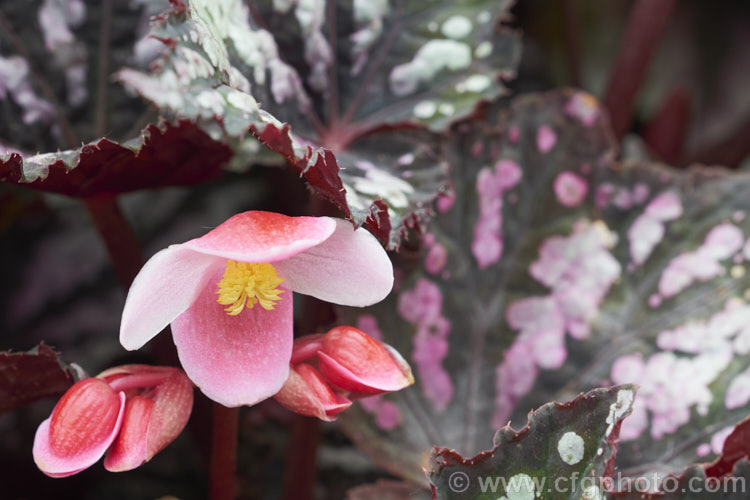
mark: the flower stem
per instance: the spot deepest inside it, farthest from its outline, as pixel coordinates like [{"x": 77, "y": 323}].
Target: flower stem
[
  {"x": 223, "y": 452},
  {"x": 645, "y": 27},
  {"x": 118, "y": 236},
  {"x": 127, "y": 258},
  {"x": 300, "y": 470},
  {"x": 301, "y": 473},
  {"x": 667, "y": 129}
]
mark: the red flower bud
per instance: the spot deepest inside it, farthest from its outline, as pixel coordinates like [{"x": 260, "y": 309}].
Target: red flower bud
[
  {"x": 133, "y": 410},
  {"x": 328, "y": 371},
  {"x": 356, "y": 362},
  {"x": 305, "y": 392}
]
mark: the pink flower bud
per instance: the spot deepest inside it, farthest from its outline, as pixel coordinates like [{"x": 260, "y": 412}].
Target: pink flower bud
[
  {"x": 305, "y": 392},
  {"x": 328, "y": 371},
  {"x": 83, "y": 425},
  {"x": 129, "y": 449},
  {"x": 353, "y": 361},
  {"x": 150, "y": 423},
  {"x": 306, "y": 347},
  {"x": 133, "y": 411}
]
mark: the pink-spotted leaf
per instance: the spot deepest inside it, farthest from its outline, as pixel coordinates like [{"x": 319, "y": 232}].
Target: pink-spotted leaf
[{"x": 551, "y": 269}]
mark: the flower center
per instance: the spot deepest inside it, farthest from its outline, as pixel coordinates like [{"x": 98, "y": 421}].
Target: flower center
[{"x": 248, "y": 283}]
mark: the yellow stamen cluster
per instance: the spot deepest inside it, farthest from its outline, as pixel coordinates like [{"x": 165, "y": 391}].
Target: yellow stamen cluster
[{"x": 248, "y": 283}]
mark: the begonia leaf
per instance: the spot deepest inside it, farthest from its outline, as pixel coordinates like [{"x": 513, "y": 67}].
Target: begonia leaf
[
  {"x": 690, "y": 484},
  {"x": 165, "y": 155},
  {"x": 551, "y": 269},
  {"x": 365, "y": 65},
  {"x": 736, "y": 448},
  {"x": 561, "y": 453},
  {"x": 387, "y": 490},
  {"x": 26, "y": 377}
]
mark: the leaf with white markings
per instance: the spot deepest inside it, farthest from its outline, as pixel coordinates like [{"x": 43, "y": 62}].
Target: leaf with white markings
[
  {"x": 551, "y": 270},
  {"x": 164, "y": 155},
  {"x": 371, "y": 73},
  {"x": 563, "y": 452},
  {"x": 691, "y": 484}
]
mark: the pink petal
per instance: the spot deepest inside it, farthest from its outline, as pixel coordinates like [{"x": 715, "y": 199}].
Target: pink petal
[
  {"x": 62, "y": 459},
  {"x": 354, "y": 361},
  {"x": 263, "y": 236},
  {"x": 129, "y": 449},
  {"x": 306, "y": 347},
  {"x": 166, "y": 286},
  {"x": 305, "y": 392},
  {"x": 173, "y": 403},
  {"x": 349, "y": 268},
  {"x": 235, "y": 360},
  {"x": 116, "y": 372},
  {"x": 150, "y": 424}
]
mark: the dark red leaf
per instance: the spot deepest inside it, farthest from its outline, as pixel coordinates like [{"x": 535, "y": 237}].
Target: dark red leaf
[
  {"x": 28, "y": 376},
  {"x": 665, "y": 133},
  {"x": 378, "y": 222},
  {"x": 736, "y": 447},
  {"x": 164, "y": 155}
]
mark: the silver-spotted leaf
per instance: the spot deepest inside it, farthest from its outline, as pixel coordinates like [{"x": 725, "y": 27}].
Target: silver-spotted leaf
[
  {"x": 164, "y": 155},
  {"x": 561, "y": 453},
  {"x": 382, "y": 68}
]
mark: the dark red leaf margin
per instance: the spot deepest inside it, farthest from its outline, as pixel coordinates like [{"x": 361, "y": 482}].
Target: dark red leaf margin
[
  {"x": 26, "y": 377},
  {"x": 736, "y": 447},
  {"x": 168, "y": 155}
]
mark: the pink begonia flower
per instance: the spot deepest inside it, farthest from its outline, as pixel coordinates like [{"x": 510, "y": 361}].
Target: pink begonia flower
[
  {"x": 331, "y": 370},
  {"x": 228, "y": 296},
  {"x": 134, "y": 411}
]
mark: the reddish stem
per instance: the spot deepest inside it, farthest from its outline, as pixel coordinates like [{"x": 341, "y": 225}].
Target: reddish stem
[
  {"x": 118, "y": 236},
  {"x": 644, "y": 29},
  {"x": 224, "y": 431},
  {"x": 666, "y": 131},
  {"x": 127, "y": 258},
  {"x": 301, "y": 472}
]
